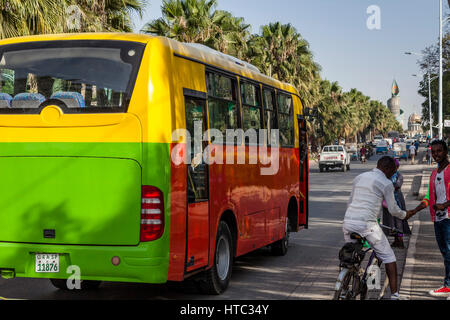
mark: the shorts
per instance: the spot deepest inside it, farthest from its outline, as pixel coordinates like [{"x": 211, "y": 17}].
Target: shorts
[{"x": 374, "y": 236}]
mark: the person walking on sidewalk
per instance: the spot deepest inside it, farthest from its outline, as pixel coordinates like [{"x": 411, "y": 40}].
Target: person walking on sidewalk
[
  {"x": 438, "y": 199},
  {"x": 394, "y": 222},
  {"x": 364, "y": 207},
  {"x": 412, "y": 153},
  {"x": 429, "y": 158}
]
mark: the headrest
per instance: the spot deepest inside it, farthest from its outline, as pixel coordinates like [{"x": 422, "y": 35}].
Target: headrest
[
  {"x": 5, "y": 100},
  {"x": 71, "y": 99},
  {"x": 27, "y": 100}
]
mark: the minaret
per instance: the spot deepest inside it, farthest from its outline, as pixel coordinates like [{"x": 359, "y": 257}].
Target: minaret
[{"x": 394, "y": 102}]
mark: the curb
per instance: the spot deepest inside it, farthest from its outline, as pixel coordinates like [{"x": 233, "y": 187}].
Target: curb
[
  {"x": 424, "y": 185},
  {"x": 410, "y": 261},
  {"x": 408, "y": 271}
]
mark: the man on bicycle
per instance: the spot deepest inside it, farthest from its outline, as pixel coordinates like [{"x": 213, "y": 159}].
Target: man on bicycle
[{"x": 364, "y": 209}]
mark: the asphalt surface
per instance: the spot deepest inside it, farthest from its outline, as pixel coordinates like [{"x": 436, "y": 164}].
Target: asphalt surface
[{"x": 308, "y": 271}]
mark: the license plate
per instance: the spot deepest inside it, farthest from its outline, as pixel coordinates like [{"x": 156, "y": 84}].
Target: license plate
[{"x": 47, "y": 263}]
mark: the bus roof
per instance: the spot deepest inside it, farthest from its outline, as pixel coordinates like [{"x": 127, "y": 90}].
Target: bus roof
[{"x": 195, "y": 52}]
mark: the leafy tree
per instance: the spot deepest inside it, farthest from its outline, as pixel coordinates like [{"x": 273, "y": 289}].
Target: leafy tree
[
  {"x": 18, "y": 17},
  {"x": 430, "y": 64},
  {"x": 281, "y": 52}
]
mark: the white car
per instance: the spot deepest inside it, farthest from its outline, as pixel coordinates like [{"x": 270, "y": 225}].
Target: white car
[
  {"x": 334, "y": 157},
  {"x": 377, "y": 139}
]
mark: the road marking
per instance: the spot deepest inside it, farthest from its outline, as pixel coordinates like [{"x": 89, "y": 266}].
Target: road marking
[{"x": 9, "y": 299}]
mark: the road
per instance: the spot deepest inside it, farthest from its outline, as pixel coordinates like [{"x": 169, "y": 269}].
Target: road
[{"x": 308, "y": 271}]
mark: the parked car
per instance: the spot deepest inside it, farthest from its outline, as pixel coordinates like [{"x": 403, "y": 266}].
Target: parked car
[{"x": 334, "y": 157}]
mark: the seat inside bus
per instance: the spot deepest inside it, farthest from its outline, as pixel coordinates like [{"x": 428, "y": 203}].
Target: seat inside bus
[
  {"x": 27, "y": 100},
  {"x": 71, "y": 99},
  {"x": 5, "y": 100}
]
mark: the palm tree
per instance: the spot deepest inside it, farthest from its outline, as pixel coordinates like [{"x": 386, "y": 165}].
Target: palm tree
[
  {"x": 184, "y": 20},
  {"x": 18, "y": 17},
  {"x": 231, "y": 35},
  {"x": 107, "y": 15}
]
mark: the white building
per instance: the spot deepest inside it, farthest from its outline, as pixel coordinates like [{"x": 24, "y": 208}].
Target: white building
[{"x": 414, "y": 125}]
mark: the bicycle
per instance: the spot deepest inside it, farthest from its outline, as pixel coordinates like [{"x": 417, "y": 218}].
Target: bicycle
[{"x": 353, "y": 280}]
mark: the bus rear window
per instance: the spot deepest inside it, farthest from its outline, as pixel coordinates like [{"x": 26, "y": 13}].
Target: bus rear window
[{"x": 80, "y": 76}]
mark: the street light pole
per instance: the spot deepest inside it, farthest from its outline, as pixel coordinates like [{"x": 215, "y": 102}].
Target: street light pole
[
  {"x": 429, "y": 104},
  {"x": 441, "y": 124},
  {"x": 429, "y": 92}
]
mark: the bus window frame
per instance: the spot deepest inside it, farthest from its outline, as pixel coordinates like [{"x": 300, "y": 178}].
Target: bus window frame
[
  {"x": 259, "y": 97},
  {"x": 275, "y": 110},
  {"x": 292, "y": 116},
  {"x": 116, "y": 44},
  {"x": 235, "y": 82}
]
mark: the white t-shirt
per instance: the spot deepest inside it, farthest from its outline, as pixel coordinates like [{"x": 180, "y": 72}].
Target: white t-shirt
[
  {"x": 412, "y": 150},
  {"x": 441, "y": 196},
  {"x": 369, "y": 191}
]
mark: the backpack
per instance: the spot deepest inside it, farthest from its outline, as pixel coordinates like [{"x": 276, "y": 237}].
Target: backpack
[{"x": 351, "y": 254}]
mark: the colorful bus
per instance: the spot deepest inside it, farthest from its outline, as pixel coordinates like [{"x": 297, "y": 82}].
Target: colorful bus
[{"x": 91, "y": 183}]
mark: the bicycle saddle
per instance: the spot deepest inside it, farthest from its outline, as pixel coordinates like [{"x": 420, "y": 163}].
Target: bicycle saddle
[{"x": 356, "y": 236}]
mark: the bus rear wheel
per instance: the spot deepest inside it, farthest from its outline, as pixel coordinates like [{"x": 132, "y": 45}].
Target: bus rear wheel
[{"x": 217, "y": 278}]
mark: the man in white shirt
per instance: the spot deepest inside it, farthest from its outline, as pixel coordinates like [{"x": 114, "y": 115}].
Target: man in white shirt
[{"x": 364, "y": 210}]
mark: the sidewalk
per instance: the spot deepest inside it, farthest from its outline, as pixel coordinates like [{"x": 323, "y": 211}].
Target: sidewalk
[
  {"x": 412, "y": 182},
  {"x": 424, "y": 266}
]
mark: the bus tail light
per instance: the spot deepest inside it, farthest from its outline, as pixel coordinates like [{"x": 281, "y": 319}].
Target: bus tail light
[{"x": 152, "y": 214}]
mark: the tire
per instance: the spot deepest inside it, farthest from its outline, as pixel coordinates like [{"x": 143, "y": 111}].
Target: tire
[
  {"x": 344, "y": 287},
  {"x": 217, "y": 279},
  {"x": 320, "y": 168},
  {"x": 363, "y": 294},
  {"x": 84, "y": 284},
  {"x": 280, "y": 248}
]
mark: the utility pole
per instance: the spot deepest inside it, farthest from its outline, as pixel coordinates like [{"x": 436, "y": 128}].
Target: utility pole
[{"x": 441, "y": 124}]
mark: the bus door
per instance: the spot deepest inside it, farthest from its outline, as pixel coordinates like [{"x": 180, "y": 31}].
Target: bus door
[
  {"x": 303, "y": 173},
  {"x": 197, "y": 229}
]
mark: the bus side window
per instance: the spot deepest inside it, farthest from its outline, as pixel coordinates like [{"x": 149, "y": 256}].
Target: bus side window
[
  {"x": 251, "y": 110},
  {"x": 285, "y": 120},
  {"x": 270, "y": 117},
  {"x": 222, "y": 103}
]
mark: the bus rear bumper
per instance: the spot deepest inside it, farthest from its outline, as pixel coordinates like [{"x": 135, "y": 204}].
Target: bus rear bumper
[{"x": 137, "y": 264}]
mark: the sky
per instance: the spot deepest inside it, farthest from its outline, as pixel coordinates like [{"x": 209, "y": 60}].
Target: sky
[{"x": 346, "y": 49}]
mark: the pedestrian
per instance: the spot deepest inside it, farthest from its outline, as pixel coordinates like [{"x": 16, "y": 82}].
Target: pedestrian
[
  {"x": 362, "y": 153},
  {"x": 412, "y": 153},
  {"x": 417, "y": 145},
  {"x": 363, "y": 210},
  {"x": 438, "y": 200},
  {"x": 429, "y": 158},
  {"x": 394, "y": 222}
]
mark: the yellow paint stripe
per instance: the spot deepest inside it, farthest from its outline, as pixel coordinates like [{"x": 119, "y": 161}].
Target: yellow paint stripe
[{"x": 8, "y": 299}]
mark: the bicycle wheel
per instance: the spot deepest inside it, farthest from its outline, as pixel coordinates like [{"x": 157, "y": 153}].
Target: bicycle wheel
[{"x": 343, "y": 289}]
